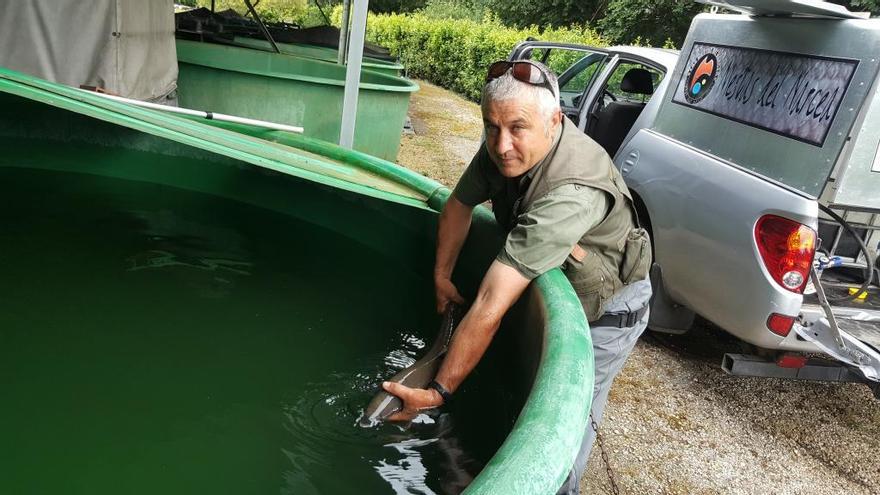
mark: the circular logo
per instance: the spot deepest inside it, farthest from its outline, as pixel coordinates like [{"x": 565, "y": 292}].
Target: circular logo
[{"x": 701, "y": 78}]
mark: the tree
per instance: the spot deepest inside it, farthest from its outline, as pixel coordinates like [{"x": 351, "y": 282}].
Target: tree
[
  {"x": 872, "y": 6},
  {"x": 399, "y": 6},
  {"x": 523, "y": 13},
  {"x": 652, "y": 21}
]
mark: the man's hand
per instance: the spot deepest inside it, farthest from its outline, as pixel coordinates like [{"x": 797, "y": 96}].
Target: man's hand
[
  {"x": 446, "y": 292},
  {"x": 415, "y": 400},
  {"x": 501, "y": 287},
  {"x": 455, "y": 221}
]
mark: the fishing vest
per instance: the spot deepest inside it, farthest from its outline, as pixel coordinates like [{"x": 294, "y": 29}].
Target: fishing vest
[{"x": 595, "y": 267}]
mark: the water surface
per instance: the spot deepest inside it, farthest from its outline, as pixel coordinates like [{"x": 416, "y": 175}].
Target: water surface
[{"x": 154, "y": 340}]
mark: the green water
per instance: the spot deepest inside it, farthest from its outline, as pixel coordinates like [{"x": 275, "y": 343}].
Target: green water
[{"x": 154, "y": 340}]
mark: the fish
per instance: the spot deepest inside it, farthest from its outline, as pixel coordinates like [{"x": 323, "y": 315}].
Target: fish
[{"x": 417, "y": 375}]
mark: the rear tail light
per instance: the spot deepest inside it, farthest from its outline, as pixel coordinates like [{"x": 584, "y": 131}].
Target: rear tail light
[
  {"x": 780, "y": 324},
  {"x": 787, "y": 250}
]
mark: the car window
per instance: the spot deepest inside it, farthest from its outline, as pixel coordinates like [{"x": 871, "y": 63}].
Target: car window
[
  {"x": 578, "y": 76},
  {"x": 616, "y": 78},
  {"x": 575, "y": 69},
  {"x": 538, "y": 54}
]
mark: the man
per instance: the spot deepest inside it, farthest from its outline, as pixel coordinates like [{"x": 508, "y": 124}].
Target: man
[{"x": 563, "y": 203}]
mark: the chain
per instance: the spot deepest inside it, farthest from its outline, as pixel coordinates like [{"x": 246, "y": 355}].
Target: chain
[{"x": 601, "y": 442}]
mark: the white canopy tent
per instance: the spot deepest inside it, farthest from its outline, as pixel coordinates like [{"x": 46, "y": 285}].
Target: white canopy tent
[
  {"x": 127, "y": 47},
  {"x": 124, "y": 46}
]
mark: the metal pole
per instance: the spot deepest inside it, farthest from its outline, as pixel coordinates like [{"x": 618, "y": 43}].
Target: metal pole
[
  {"x": 343, "y": 31},
  {"x": 353, "y": 73},
  {"x": 348, "y": 36},
  {"x": 262, "y": 26},
  {"x": 348, "y": 42}
]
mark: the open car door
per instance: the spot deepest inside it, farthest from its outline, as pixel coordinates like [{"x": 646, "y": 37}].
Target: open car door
[
  {"x": 603, "y": 91},
  {"x": 576, "y": 66}
]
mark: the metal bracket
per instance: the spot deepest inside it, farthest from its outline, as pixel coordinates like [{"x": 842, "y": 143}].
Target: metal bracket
[
  {"x": 816, "y": 328},
  {"x": 826, "y": 306},
  {"x": 825, "y": 333}
]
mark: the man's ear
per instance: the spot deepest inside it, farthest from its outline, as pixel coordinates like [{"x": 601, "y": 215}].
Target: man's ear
[{"x": 555, "y": 119}]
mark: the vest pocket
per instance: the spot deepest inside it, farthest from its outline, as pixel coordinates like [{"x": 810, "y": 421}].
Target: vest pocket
[
  {"x": 592, "y": 283},
  {"x": 636, "y": 256}
]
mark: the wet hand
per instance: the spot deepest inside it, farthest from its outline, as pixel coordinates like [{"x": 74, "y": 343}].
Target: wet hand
[
  {"x": 446, "y": 292},
  {"x": 415, "y": 400}
]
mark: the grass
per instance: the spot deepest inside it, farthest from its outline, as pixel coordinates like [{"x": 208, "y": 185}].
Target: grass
[{"x": 447, "y": 134}]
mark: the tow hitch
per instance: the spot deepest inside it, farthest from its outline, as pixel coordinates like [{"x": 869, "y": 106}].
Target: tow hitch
[
  {"x": 850, "y": 336},
  {"x": 823, "y": 329}
]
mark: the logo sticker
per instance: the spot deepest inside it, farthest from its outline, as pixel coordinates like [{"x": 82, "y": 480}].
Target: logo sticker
[
  {"x": 793, "y": 95},
  {"x": 701, "y": 78}
]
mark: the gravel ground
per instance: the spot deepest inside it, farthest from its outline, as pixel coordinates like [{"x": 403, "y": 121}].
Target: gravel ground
[{"x": 675, "y": 423}]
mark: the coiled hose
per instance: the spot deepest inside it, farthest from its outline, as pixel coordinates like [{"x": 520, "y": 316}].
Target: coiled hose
[{"x": 869, "y": 260}]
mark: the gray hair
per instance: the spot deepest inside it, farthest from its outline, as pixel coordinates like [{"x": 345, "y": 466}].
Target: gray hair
[{"x": 506, "y": 87}]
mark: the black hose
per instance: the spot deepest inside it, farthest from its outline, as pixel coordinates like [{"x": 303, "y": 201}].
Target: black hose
[{"x": 868, "y": 259}]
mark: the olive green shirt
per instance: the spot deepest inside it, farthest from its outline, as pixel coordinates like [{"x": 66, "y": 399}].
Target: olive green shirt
[{"x": 543, "y": 236}]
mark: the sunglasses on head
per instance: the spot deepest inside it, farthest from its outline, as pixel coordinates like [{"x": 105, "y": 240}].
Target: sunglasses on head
[{"x": 521, "y": 70}]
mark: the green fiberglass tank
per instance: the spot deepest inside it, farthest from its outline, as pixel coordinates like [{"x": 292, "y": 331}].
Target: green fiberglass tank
[
  {"x": 206, "y": 308},
  {"x": 293, "y": 90},
  {"x": 324, "y": 53}
]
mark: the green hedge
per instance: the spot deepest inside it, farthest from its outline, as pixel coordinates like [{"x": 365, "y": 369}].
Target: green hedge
[{"x": 455, "y": 53}]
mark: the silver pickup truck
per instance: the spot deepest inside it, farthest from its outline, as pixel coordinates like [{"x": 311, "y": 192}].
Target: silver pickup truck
[{"x": 753, "y": 158}]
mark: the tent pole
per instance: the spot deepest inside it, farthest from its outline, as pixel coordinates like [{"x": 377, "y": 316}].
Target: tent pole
[
  {"x": 353, "y": 73},
  {"x": 343, "y": 31}
]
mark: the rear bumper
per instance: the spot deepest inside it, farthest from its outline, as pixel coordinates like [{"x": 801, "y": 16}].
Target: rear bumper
[{"x": 744, "y": 314}]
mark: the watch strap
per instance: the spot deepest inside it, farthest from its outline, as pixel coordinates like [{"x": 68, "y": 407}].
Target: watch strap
[{"x": 445, "y": 394}]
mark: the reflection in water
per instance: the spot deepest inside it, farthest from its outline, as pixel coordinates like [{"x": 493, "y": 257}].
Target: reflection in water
[
  {"x": 399, "y": 359},
  {"x": 452, "y": 471},
  {"x": 162, "y": 259},
  {"x": 425, "y": 458},
  {"x": 407, "y": 475},
  {"x": 296, "y": 480},
  {"x": 190, "y": 250}
]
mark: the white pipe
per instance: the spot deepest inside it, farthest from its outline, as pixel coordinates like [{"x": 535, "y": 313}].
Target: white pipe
[
  {"x": 353, "y": 72},
  {"x": 203, "y": 114}
]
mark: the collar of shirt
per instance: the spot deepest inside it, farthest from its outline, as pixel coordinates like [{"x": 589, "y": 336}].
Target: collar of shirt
[
  {"x": 525, "y": 179},
  {"x": 518, "y": 186}
]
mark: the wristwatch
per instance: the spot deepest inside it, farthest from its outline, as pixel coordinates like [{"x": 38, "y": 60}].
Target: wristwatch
[{"x": 445, "y": 394}]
